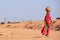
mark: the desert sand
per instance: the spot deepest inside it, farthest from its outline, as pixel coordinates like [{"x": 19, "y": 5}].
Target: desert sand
[
  {"x": 27, "y": 34},
  {"x": 27, "y": 31}
]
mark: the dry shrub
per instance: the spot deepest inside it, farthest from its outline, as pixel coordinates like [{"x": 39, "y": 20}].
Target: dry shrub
[
  {"x": 1, "y": 34},
  {"x": 57, "y": 28}
]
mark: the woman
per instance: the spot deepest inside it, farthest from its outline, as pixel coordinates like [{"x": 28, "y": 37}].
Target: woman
[{"x": 47, "y": 23}]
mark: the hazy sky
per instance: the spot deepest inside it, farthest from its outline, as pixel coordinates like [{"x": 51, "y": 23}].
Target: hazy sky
[{"x": 19, "y": 10}]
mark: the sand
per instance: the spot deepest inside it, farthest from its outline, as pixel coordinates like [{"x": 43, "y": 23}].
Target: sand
[
  {"x": 27, "y": 34},
  {"x": 22, "y": 31}
]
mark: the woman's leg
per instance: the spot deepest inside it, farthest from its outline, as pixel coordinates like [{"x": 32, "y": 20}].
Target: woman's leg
[{"x": 48, "y": 31}]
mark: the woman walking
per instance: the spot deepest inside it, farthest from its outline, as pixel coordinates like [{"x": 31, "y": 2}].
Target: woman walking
[{"x": 47, "y": 23}]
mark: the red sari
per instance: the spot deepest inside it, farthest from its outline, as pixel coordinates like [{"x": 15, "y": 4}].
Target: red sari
[{"x": 47, "y": 25}]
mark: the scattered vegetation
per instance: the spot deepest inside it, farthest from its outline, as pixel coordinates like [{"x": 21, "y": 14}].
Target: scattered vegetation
[{"x": 57, "y": 28}]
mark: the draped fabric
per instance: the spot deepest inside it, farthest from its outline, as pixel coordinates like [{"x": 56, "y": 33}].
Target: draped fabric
[{"x": 47, "y": 24}]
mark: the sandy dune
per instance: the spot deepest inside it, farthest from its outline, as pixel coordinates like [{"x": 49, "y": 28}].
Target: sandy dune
[
  {"x": 27, "y": 34},
  {"x": 27, "y": 31}
]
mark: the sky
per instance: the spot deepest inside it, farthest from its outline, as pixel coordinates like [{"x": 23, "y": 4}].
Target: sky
[{"x": 19, "y": 10}]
